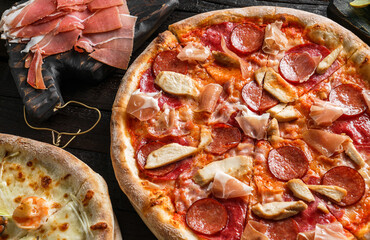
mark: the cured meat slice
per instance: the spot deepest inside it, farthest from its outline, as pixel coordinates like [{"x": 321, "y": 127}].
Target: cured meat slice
[
  {"x": 62, "y": 42},
  {"x": 104, "y": 20},
  {"x": 194, "y": 51},
  {"x": 349, "y": 179},
  {"x": 256, "y": 98},
  {"x": 168, "y": 61},
  {"x": 247, "y": 38},
  {"x": 33, "y": 11},
  {"x": 224, "y": 138},
  {"x": 213, "y": 35},
  {"x": 69, "y": 3},
  {"x": 100, "y": 4},
  {"x": 288, "y": 162},
  {"x": 76, "y": 8},
  {"x": 34, "y": 77},
  {"x": 209, "y": 97},
  {"x": 69, "y": 23},
  {"x": 51, "y": 17},
  {"x": 349, "y": 97},
  {"x": 226, "y": 186},
  {"x": 112, "y": 57},
  {"x": 33, "y": 30},
  {"x": 207, "y": 216},
  {"x": 283, "y": 229}
]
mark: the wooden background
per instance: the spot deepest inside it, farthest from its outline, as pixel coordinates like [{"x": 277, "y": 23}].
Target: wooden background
[{"x": 93, "y": 148}]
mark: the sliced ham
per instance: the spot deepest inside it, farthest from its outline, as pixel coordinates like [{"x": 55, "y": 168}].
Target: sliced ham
[
  {"x": 76, "y": 8},
  {"x": 104, "y": 20},
  {"x": 194, "y": 52},
  {"x": 51, "y": 17},
  {"x": 325, "y": 113},
  {"x": 209, "y": 97},
  {"x": 324, "y": 142},
  {"x": 112, "y": 57},
  {"x": 53, "y": 44},
  {"x": 69, "y": 3},
  {"x": 34, "y": 11},
  {"x": 69, "y": 23},
  {"x": 253, "y": 125},
  {"x": 100, "y": 4},
  {"x": 143, "y": 106},
  {"x": 33, "y": 30},
  {"x": 245, "y": 68},
  {"x": 226, "y": 186},
  {"x": 275, "y": 40},
  {"x": 255, "y": 231},
  {"x": 331, "y": 231},
  {"x": 34, "y": 77}
]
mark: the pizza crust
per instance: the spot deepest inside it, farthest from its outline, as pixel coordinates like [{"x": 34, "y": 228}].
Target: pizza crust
[
  {"x": 81, "y": 178},
  {"x": 159, "y": 218}
]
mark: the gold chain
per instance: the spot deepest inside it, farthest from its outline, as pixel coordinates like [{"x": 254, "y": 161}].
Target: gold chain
[{"x": 58, "y": 137}]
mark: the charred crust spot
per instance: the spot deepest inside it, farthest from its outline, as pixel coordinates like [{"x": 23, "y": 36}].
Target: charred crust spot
[
  {"x": 63, "y": 227},
  {"x": 45, "y": 181},
  {"x": 18, "y": 199},
  {"x": 20, "y": 177},
  {"x": 3, "y": 222},
  {"x": 56, "y": 205},
  {"x": 29, "y": 164},
  {"x": 89, "y": 195},
  {"x": 99, "y": 226},
  {"x": 66, "y": 176},
  {"x": 65, "y": 195}
]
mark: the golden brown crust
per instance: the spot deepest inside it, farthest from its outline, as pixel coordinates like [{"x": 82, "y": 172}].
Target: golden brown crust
[
  {"x": 80, "y": 177},
  {"x": 159, "y": 218}
]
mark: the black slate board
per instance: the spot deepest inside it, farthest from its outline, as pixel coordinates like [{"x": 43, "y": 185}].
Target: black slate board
[{"x": 355, "y": 19}]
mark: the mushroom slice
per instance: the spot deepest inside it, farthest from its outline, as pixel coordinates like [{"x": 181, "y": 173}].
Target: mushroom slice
[
  {"x": 278, "y": 87},
  {"x": 177, "y": 84},
  {"x": 353, "y": 154},
  {"x": 333, "y": 192},
  {"x": 259, "y": 75},
  {"x": 234, "y": 166},
  {"x": 168, "y": 154},
  {"x": 205, "y": 137},
  {"x": 300, "y": 190},
  {"x": 278, "y": 210}
]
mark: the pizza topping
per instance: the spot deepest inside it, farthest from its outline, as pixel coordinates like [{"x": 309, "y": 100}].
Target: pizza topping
[
  {"x": 247, "y": 38},
  {"x": 244, "y": 66},
  {"x": 224, "y": 138},
  {"x": 3, "y": 223},
  {"x": 225, "y": 59},
  {"x": 325, "y": 113},
  {"x": 255, "y": 231},
  {"x": 226, "y": 186},
  {"x": 205, "y": 137},
  {"x": 207, "y": 216},
  {"x": 259, "y": 75},
  {"x": 300, "y": 190},
  {"x": 273, "y": 128},
  {"x": 253, "y": 125},
  {"x": 31, "y": 213},
  {"x": 209, "y": 97},
  {"x": 324, "y": 142},
  {"x": 353, "y": 154},
  {"x": 349, "y": 179},
  {"x": 168, "y": 61},
  {"x": 278, "y": 210},
  {"x": 275, "y": 40},
  {"x": 350, "y": 98},
  {"x": 331, "y": 231},
  {"x": 328, "y": 60},
  {"x": 333, "y": 192},
  {"x": 256, "y": 98},
  {"x": 366, "y": 94},
  {"x": 298, "y": 67},
  {"x": 167, "y": 154},
  {"x": 177, "y": 84},
  {"x": 283, "y": 113},
  {"x": 194, "y": 52},
  {"x": 143, "y": 106},
  {"x": 278, "y": 87},
  {"x": 234, "y": 166},
  {"x": 288, "y": 162},
  {"x": 322, "y": 207}
]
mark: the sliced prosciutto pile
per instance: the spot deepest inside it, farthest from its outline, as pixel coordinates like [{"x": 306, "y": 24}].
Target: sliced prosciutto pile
[{"x": 103, "y": 28}]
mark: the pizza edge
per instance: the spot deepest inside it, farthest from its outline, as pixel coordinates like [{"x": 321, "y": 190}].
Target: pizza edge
[
  {"x": 159, "y": 218},
  {"x": 85, "y": 176}
]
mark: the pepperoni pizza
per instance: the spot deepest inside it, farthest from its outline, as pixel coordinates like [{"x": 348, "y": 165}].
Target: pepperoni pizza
[{"x": 249, "y": 123}]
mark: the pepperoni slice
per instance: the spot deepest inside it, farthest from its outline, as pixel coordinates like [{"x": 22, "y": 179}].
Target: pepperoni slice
[
  {"x": 224, "y": 137},
  {"x": 247, "y": 38},
  {"x": 142, "y": 155},
  {"x": 212, "y": 36},
  {"x": 168, "y": 61},
  {"x": 284, "y": 229},
  {"x": 256, "y": 98},
  {"x": 207, "y": 216},
  {"x": 349, "y": 179},
  {"x": 287, "y": 162},
  {"x": 350, "y": 98}
]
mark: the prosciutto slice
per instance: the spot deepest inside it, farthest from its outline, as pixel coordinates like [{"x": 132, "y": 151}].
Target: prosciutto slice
[
  {"x": 100, "y": 4},
  {"x": 34, "y": 77},
  {"x": 33, "y": 30},
  {"x": 104, "y": 20},
  {"x": 111, "y": 57}
]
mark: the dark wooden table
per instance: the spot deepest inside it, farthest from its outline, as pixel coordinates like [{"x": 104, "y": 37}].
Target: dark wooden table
[{"x": 93, "y": 148}]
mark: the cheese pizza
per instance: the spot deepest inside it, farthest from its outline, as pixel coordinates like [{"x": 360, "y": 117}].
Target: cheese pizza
[
  {"x": 247, "y": 123},
  {"x": 47, "y": 193}
]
